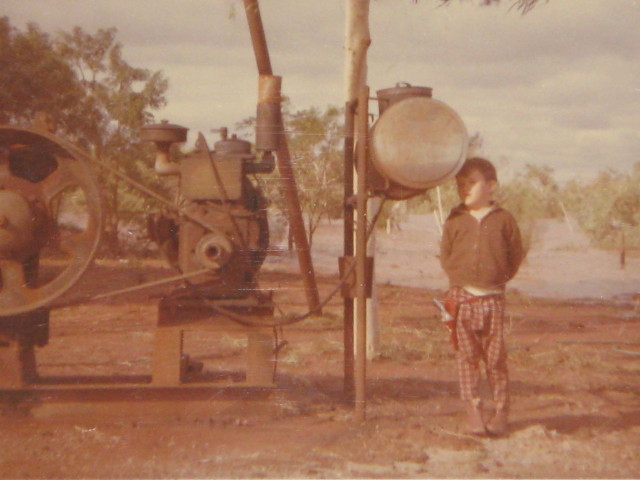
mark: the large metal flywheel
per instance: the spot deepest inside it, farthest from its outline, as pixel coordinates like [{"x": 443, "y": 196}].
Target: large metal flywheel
[{"x": 50, "y": 218}]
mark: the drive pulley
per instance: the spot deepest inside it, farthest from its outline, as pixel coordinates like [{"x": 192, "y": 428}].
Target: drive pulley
[{"x": 50, "y": 218}]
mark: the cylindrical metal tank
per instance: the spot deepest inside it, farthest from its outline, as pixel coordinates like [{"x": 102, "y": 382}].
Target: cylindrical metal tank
[
  {"x": 389, "y": 96},
  {"x": 416, "y": 144}
]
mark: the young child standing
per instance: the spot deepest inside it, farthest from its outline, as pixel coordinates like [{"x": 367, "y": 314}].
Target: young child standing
[{"x": 481, "y": 251}]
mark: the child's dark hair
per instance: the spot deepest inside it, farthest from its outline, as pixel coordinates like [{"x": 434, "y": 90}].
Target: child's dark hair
[{"x": 484, "y": 166}]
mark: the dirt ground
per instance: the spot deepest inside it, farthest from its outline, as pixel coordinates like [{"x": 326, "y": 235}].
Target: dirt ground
[{"x": 574, "y": 366}]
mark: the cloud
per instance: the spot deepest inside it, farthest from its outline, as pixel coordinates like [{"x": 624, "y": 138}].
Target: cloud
[{"x": 559, "y": 85}]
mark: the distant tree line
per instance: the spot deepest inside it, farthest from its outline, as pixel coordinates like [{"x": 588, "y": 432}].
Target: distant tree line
[{"x": 606, "y": 208}]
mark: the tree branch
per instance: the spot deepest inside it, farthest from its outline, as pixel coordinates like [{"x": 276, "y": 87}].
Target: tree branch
[{"x": 523, "y": 5}]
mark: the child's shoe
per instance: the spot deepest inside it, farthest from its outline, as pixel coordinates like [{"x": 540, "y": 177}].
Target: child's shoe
[
  {"x": 499, "y": 424},
  {"x": 475, "y": 424}
]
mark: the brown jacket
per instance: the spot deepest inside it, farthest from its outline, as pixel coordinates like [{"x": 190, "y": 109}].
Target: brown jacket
[{"x": 485, "y": 254}]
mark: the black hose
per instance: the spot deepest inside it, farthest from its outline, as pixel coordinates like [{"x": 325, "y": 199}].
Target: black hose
[{"x": 249, "y": 321}]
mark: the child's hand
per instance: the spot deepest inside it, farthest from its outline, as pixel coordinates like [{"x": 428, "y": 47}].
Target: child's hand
[{"x": 448, "y": 319}]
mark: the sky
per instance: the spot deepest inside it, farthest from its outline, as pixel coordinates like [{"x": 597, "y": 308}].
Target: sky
[{"x": 559, "y": 86}]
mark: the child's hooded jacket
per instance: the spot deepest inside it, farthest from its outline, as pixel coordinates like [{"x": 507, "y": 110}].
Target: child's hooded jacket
[{"x": 484, "y": 254}]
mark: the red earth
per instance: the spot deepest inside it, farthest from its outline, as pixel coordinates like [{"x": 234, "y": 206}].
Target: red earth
[{"x": 575, "y": 380}]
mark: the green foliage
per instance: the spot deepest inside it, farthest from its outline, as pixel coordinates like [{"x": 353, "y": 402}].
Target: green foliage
[
  {"x": 33, "y": 77},
  {"x": 98, "y": 99},
  {"x": 532, "y": 195},
  {"x": 605, "y": 206},
  {"x": 117, "y": 102},
  {"x": 523, "y": 5},
  {"x": 315, "y": 140}
]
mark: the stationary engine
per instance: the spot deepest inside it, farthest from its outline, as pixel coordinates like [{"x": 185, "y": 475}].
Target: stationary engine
[
  {"x": 217, "y": 236},
  {"x": 222, "y": 223},
  {"x": 214, "y": 231}
]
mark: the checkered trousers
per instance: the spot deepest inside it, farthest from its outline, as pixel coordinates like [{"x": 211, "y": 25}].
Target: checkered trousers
[{"x": 479, "y": 326}]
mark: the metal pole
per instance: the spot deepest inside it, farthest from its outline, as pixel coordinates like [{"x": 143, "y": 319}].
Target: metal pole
[
  {"x": 373, "y": 327},
  {"x": 348, "y": 229},
  {"x": 258, "y": 38},
  {"x": 283, "y": 160},
  {"x": 361, "y": 256}
]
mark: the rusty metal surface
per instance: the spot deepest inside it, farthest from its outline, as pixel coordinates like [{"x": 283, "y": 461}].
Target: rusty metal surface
[
  {"x": 289, "y": 187},
  {"x": 220, "y": 223},
  {"x": 348, "y": 247},
  {"x": 268, "y": 114},
  {"x": 233, "y": 146},
  {"x": 241, "y": 249},
  {"x": 163, "y": 132},
  {"x": 362, "y": 128},
  {"x": 347, "y": 273},
  {"x": 389, "y": 96},
  {"x": 180, "y": 313},
  {"x": 418, "y": 143},
  {"x": 258, "y": 38},
  {"x": 216, "y": 232},
  {"x": 41, "y": 167},
  {"x": 16, "y": 226},
  {"x": 198, "y": 181}
]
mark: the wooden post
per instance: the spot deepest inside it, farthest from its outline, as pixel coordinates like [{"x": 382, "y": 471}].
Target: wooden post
[
  {"x": 259, "y": 357},
  {"x": 17, "y": 365},
  {"x": 167, "y": 363},
  {"x": 357, "y": 41}
]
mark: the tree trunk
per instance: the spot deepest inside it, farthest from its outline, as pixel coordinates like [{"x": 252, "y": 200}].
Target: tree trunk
[{"x": 357, "y": 41}]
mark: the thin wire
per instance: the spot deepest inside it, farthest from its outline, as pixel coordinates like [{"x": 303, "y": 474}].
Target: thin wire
[
  {"x": 135, "y": 288},
  {"x": 249, "y": 321}
]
